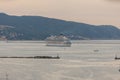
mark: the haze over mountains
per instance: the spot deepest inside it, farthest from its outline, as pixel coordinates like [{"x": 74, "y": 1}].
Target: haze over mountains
[{"x": 38, "y": 28}]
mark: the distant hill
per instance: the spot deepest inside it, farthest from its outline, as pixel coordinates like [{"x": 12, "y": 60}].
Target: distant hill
[{"x": 38, "y": 28}]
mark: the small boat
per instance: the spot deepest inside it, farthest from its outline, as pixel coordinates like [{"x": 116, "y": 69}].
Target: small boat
[
  {"x": 96, "y": 50},
  {"x": 117, "y": 58}
]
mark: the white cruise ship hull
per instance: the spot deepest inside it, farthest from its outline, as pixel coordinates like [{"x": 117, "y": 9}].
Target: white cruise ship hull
[{"x": 59, "y": 45}]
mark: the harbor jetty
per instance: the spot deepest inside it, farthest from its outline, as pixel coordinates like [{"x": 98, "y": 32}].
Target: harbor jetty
[{"x": 33, "y": 57}]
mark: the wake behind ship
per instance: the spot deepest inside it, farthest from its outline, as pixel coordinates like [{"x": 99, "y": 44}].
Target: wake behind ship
[{"x": 58, "y": 41}]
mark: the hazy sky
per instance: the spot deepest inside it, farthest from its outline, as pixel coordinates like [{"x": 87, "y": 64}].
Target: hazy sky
[{"x": 88, "y": 11}]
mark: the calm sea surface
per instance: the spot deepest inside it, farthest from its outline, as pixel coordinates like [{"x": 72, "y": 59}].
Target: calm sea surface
[{"x": 84, "y": 60}]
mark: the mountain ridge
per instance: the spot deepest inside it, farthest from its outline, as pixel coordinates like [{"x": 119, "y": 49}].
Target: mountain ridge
[{"x": 38, "y": 28}]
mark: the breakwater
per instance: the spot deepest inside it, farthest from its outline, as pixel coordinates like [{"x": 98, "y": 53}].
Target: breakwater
[{"x": 33, "y": 57}]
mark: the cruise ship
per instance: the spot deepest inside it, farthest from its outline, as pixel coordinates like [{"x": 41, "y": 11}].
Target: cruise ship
[{"x": 58, "y": 41}]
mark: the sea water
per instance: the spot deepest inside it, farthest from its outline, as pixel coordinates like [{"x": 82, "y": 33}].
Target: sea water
[{"x": 84, "y": 60}]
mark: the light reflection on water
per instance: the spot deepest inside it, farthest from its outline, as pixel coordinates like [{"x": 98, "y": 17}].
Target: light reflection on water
[{"x": 84, "y": 60}]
